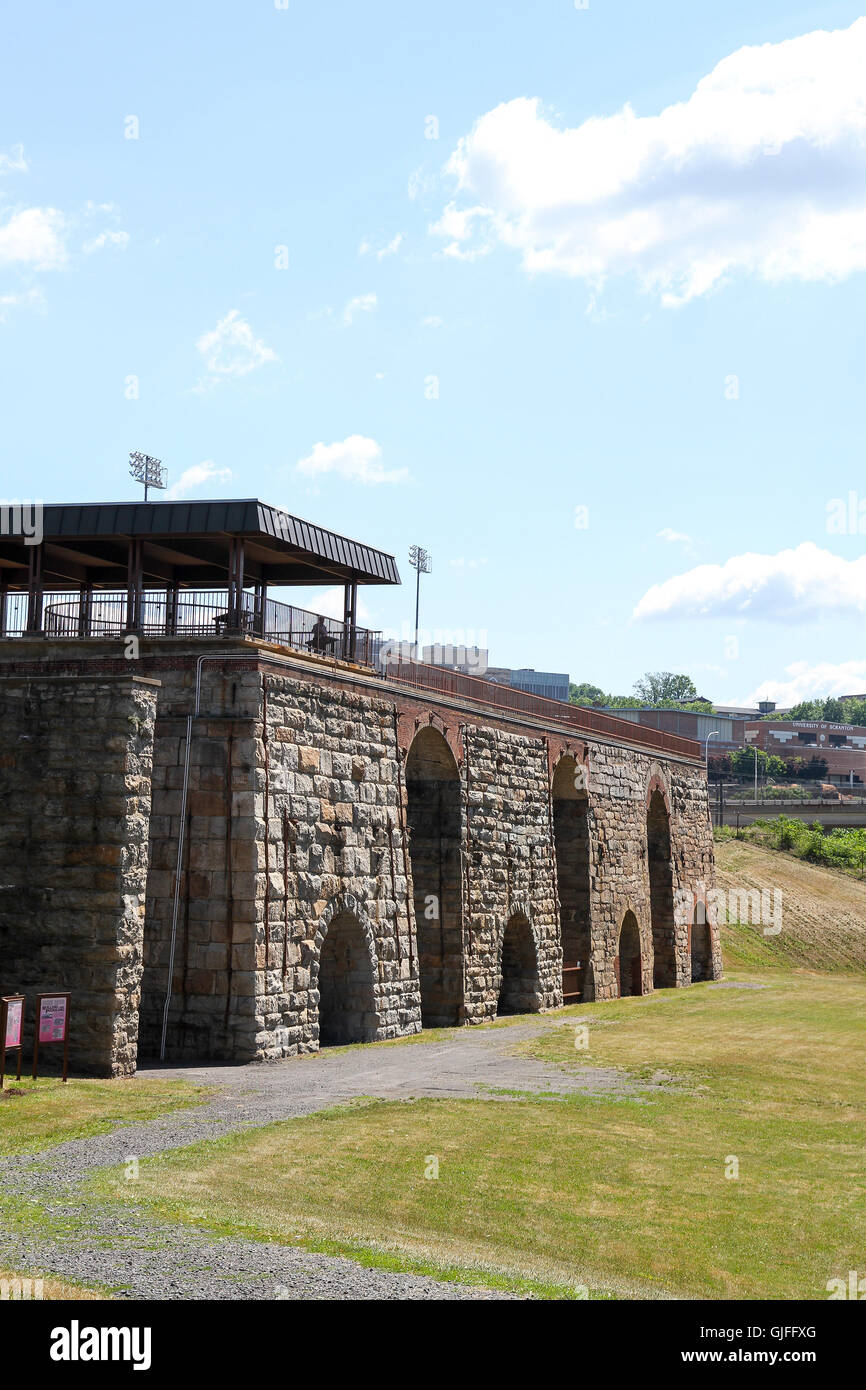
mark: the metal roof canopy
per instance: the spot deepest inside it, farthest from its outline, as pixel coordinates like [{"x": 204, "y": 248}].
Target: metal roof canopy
[{"x": 189, "y": 543}]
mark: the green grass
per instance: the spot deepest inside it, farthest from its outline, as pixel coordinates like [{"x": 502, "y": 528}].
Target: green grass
[
  {"x": 35, "y": 1115},
  {"x": 625, "y": 1196}
]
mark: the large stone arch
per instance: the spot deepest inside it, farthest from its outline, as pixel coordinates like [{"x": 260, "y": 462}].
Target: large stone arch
[
  {"x": 629, "y": 957},
  {"x": 344, "y": 975},
  {"x": 700, "y": 944},
  {"x": 519, "y": 987},
  {"x": 571, "y": 842},
  {"x": 660, "y": 871},
  {"x": 434, "y": 821}
]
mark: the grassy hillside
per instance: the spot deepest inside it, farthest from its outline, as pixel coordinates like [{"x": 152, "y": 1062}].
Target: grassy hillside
[{"x": 823, "y": 912}]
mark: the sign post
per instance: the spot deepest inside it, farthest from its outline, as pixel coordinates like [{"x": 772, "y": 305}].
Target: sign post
[
  {"x": 11, "y": 1030},
  {"x": 52, "y": 1026}
]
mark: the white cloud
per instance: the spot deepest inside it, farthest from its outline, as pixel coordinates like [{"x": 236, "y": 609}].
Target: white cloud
[
  {"x": 795, "y": 585},
  {"x": 807, "y": 682},
  {"x": 762, "y": 170},
  {"x": 366, "y": 248},
  {"x": 361, "y": 304},
  {"x": 230, "y": 349},
  {"x": 356, "y": 458},
  {"x": 432, "y": 321},
  {"x": 104, "y": 239},
  {"x": 666, "y": 534},
  {"x": 33, "y": 237},
  {"x": 460, "y": 562},
  {"x": 197, "y": 476}
]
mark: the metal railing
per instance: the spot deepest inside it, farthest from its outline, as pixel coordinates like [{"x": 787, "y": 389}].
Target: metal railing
[
  {"x": 194, "y": 613},
  {"x": 505, "y": 698}
]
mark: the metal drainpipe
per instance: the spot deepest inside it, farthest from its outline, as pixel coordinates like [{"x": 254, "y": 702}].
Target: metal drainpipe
[{"x": 181, "y": 839}]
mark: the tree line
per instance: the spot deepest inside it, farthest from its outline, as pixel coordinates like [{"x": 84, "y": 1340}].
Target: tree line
[{"x": 655, "y": 690}]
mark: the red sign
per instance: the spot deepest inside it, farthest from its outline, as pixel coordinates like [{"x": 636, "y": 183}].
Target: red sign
[
  {"x": 14, "y": 1022},
  {"x": 52, "y": 1018}
]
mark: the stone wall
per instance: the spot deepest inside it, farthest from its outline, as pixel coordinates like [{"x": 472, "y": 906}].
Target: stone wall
[
  {"x": 620, "y": 790},
  {"x": 331, "y": 847},
  {"x": 354, "y": 856},
  {"x": 509, "y": 863},
  {"x": 213, "y": 911},
  {"x": 75, "y": 773}
]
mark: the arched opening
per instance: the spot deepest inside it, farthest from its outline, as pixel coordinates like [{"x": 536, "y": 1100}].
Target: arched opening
[
  {"x": 628, "y": 964},
  {"x": 658, "y": 839},
  {"x": 433, "y": 816},
  {"x": 701, "y": 947},
  {"x": 571, "y": 843},
  {"x": 518, "y": 990},
  {"x": 347, "y": 1001}
]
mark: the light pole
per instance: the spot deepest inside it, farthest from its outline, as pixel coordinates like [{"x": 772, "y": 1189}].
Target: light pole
[
  {"x": 147, "y": 470},
  {"x": 714, "y": 733},
  {"x": 756, "y": 774},
  {"x": 422, "y": 563}
]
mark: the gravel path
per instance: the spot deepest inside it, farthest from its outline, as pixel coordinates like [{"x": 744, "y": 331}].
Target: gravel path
[{"x": 151, "y": 1259}]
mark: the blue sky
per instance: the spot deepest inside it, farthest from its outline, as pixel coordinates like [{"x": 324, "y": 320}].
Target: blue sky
[{"x": 500, "y": 262}]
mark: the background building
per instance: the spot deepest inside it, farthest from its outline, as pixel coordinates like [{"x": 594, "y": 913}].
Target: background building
[
  {"x": 729, "y": 733},
  {"x": 842, "y": 746}
]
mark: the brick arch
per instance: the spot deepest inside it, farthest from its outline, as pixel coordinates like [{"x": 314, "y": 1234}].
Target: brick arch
[
  {"x": 518, "y": 962},
  {"x": 434, "y": 818},
  {"x": 656, "y": 782},
  {"x": 579, "y": 756},
  {"x": 343, "y": 902},
  {"x": 571, "y": 825},
  {"x": 629, "y": 963},
  {"x": 700, "y": 943},
  {"x": 660, "y": 851},
  {"x": 422, "y": 733},
  {"x": 348, "y": 988},
  {"x": 411, "y": 723}
]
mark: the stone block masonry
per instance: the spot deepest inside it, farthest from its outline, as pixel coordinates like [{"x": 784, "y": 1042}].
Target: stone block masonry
[
  {"x": 75, "y": 785},
  {"x": 359, "y": 858}
]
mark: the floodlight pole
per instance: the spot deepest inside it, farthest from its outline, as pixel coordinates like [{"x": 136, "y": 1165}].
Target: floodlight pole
[
  {"x": 422, "y": 563},
  {"x": 147, "y": 470}
]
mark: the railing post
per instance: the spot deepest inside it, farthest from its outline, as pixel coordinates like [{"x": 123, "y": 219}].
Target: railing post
[
  {"x": 171, "y": 603},
  {"x": 85, "y": 609},
  {"x": 350, "y": 608},
  {"x": 34, "y": 591},
  {"x": 133, "y": 585}
]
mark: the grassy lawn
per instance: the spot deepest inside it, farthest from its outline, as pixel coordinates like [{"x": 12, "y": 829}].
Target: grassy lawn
[
  {"x": 623, "y": 1196},
  {"x": 823, "y": 911},
  {"x": 37, "y": 1114}
]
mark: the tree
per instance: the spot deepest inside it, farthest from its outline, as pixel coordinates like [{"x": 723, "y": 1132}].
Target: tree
[
  {"x": 854, "y": 712},
  {"x": 657, "y": 686},
  {"x": 807, "y": 709},
  {"x": 743, "y": 760},
  {"x": 586, "y": 694}
]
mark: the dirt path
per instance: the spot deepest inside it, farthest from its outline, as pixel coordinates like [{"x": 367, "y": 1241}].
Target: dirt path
[{"x": 153, "y": 1260}]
